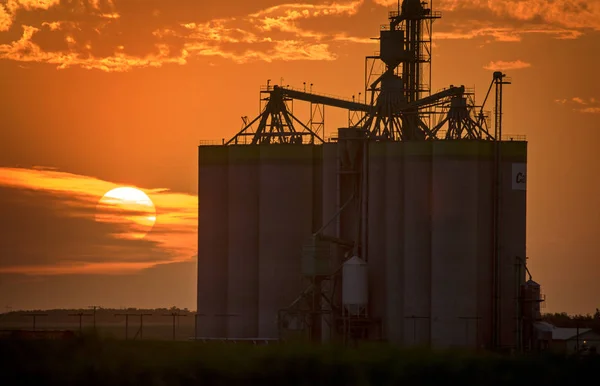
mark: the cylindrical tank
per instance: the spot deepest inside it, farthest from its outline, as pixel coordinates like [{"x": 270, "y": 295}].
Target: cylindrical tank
[
  {"x": 355, "y": 296},
  {"x": 484, "y": 243},
  {"x": 285, "y": 223},
  {"x": 330, "y": 200},
  {"x": 213, "y": 228},
  {"x": 513, "y": 231},
  {"x": 416, "y": 205},
  {"x": 454, "y": 251},
  {"x": 376, "y": 227},
  {"x": 531, "y": 293},
  {"x": 394, "y": 241},
  {"x": 242, "y": 299}
]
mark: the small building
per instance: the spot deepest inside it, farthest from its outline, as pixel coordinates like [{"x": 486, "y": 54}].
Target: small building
[{"x": 568, "y": 340}]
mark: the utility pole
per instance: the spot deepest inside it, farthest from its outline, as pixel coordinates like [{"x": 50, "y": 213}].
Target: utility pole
[
  {"x": 175, "y": 316},
  {"x": 34, "y": 316},
  {"x": 81, "y": 315},
  {"x": 414, "y": 319},
  {"x": 94, "y": 314},
  {"x": 142, "y": 324},
  {"x": 127, "y": 315}
]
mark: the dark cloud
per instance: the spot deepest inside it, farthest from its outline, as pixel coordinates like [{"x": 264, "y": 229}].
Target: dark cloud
[{"x": 40, "y": 228}]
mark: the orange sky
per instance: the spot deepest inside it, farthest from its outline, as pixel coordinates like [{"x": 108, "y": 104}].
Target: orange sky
[{"x": 119, "y": 92}]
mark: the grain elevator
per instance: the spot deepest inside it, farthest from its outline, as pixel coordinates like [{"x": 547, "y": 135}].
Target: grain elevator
[{"x": 408, "y": 226}]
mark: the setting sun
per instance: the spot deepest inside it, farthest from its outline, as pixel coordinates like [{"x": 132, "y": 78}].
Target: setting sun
[{"x": 129, "y": 207}]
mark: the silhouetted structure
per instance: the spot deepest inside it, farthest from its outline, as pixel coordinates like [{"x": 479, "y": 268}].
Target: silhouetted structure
[
  {"x": 415, "y": 208},
  {"x": 80, "y": 315}
]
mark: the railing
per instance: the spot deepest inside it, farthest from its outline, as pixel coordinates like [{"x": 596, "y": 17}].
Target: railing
[
  {"x": 321, "y": 94},
  {"x": 514, "y": 137},
  {"x": 271, "y": 88},
  {"x": 211, "y": 142},
  {"x": 246, "y": 138},
  {"x": 428, "y": 15}
]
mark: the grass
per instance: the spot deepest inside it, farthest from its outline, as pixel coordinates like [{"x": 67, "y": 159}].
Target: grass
[{"x": 92, "y": 361}]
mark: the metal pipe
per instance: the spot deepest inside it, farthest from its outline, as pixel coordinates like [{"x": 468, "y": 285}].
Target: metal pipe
[
  {"x": 365, "y": 199},
  {"x": 335, "y": 216}
]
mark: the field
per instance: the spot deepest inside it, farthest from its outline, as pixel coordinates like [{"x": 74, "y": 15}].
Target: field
[
  {"x": 103, "y": 357},
  {"x": 91, "y": 361}
]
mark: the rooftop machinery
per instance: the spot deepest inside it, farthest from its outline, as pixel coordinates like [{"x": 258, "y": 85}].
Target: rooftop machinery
[
  {"x": 401, "y": 106},
  {"x": 393, "y": 206}
]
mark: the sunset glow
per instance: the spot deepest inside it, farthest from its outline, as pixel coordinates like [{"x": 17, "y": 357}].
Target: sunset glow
[
  {"x": 100, "y": 95},
  {"x": 125, "y": 215},
  {"x": 130, "y": 207}
]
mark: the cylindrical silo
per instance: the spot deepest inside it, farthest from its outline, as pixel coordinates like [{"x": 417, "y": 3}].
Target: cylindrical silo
[
  {"x": 416, "y": 206},
  {"x": 376, "y": 252},
  {"x": 330, "y": 189},
  {"x": 484, "y": 244},
  {"x": 513, "y": 209},
  {"x": 285, "y": 224},
  {"x": 330, "y": 200},
  {"x": 393, "y": 198},
  {"x": 212, "y": 239},
  {"x": 454, "y": 251},
  {"x": 242, "y": 302},
  {"x": 355, "y": 283}
]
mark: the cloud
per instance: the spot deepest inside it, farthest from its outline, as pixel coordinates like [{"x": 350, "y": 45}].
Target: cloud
[
  {"x": 505, "y": 66},
  {"x": 49, "y": 226},
  {"x": 472, "y": 30},
  {"x": 123, "y": 35},
  {"x": 590, "y": 110},
  {"x": 575, "y": 14},
  {"x": 581, "y": 105},
  {"x": 510, "y": 20}
]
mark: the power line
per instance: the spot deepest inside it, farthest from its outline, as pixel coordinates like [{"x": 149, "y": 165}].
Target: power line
[
  {"x": 142, "y": 324},
  {"x": 94, "y": 314},
  {"x": 34, "y": 316},
  {"x": 127, "y": 315},
  {"x": 175, "y": 316},
  {"x": 81, "y": 315}
]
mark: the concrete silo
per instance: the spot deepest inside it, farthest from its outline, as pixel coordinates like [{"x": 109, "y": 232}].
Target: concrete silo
[
  {"x": 416, "y": 221},
  {"x": 285, "y": 223},
  {"x": 213, "y": 240},
  {"x": 243, "y": 242}
]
